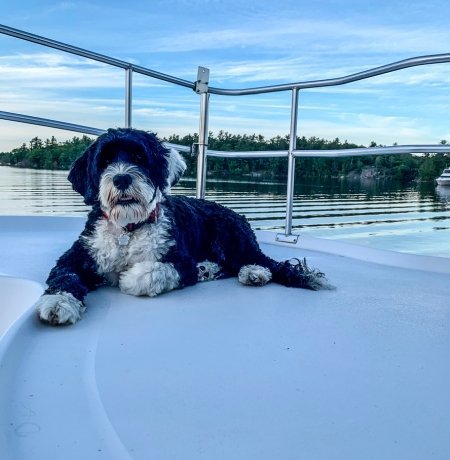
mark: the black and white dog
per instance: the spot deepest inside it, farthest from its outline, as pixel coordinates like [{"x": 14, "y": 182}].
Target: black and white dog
[{"x": 146, "y": 242}]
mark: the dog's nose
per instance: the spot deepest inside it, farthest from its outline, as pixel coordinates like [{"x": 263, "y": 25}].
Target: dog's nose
[{"x": 122, "y": 181}]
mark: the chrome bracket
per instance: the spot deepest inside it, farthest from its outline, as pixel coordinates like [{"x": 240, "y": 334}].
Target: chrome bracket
[
  {"x": 195, "y": 148},
  {"x": 282, "y": 238},
  {"x": 201, "y": 85}
]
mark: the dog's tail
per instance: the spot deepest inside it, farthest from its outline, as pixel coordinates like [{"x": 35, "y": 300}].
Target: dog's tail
[{"x": 296, "y": 273}]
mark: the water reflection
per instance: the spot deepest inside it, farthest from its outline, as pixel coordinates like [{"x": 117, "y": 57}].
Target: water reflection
[
  {"x": 29, "y": 191},
  {"x": 382, "y": 214},
  {"x": 443, "y": 193}
]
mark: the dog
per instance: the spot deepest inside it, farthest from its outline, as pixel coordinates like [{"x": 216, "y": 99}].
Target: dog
[{"x": 144, "y": 240}]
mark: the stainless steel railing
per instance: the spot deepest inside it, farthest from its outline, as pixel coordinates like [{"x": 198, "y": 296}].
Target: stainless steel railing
[
  {"x": 127, "y": 66},
  {"x": 201, "y": 87},
  {"x": 20, "y": 118}
]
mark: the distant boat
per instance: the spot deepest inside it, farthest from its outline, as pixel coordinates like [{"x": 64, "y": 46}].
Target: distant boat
[{"x": 444, "y": 178}]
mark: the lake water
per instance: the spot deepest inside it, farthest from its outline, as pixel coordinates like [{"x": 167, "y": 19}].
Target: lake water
[{"x": 383, "y": 215}]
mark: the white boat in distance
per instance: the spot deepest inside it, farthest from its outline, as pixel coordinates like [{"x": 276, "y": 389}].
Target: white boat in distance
[{"x": 444, "y": 178}]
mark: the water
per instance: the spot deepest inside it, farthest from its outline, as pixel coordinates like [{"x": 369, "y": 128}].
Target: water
[{"x": 383, "y": 215}]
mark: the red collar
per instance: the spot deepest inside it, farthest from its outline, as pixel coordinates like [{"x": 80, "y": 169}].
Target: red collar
[{"x": 152, "y": 219}]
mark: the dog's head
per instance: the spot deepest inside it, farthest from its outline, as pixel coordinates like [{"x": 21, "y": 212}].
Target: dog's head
[{"x": 127, "y": 171}]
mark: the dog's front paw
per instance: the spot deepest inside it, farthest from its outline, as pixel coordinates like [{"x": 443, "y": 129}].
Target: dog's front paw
[
  {"x": 62, "y": 308},
  {"x": 149, "y": 279},
  {"x": 254, "y": 275}
]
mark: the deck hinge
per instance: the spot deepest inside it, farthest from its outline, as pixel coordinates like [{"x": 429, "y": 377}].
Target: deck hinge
[{"x": 282, "y": 238}]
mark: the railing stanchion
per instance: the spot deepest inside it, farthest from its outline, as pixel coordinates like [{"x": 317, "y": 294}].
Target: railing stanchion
[
  {"x": 288, "y": 236},
  {"x": 201, "y": 88},
  {"x": 128, "y": 96}
]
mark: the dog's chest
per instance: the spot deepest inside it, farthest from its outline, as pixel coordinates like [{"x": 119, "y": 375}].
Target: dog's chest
[{"x": 113, "y": 253}]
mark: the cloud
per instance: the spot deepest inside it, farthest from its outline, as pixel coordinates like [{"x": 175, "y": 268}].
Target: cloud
[
  {"x": 15, "y": 134},
  {"x": 364, "y": 127},
  {"x": 60, "y": 7},
  {"x": 243, "y": 51},
  {"x": 267, "y": 116},
  {"x": 60, "y": 72},
  {"x": 329, "y": 37}
]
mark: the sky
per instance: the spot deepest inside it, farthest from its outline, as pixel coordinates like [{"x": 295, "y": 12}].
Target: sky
[{"x": 244, "y": 44}]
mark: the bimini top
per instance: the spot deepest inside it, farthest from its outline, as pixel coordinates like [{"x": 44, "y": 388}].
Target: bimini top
[{"x": 224, "y": 371}]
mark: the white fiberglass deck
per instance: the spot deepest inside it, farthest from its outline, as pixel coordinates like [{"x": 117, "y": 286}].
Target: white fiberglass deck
[
  {"x": 17, "y": 295},
  {"x": 223, "y": 371}
]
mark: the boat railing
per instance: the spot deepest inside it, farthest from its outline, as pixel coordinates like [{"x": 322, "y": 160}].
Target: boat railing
[{"x": 204, "y": 90}]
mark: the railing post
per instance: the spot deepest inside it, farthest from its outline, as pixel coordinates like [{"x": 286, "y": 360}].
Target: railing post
[
  {"x": 288, "y": 236},
  {"x": 128, "y": 96},
  {"x": 201, "y": 88}
]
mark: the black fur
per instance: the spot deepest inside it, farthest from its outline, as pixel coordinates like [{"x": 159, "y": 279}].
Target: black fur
[{"x": 202, "y": 230}]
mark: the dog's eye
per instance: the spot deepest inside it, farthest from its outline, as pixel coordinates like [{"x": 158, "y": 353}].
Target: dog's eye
[
  {"x": 105, "y": 161},
  {"x": 138, "y": 156}
]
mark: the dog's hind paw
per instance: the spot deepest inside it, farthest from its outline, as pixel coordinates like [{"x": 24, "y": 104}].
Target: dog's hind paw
[
  {"x": 254, "y": 275},
  {"x": 57, "y": 309},
  {"x": 208, "y": 271},
  {"x": 312, "y": 278}
]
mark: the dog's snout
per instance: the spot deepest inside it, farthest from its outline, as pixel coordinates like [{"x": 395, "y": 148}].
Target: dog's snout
[{"x": 122, "y": 181}]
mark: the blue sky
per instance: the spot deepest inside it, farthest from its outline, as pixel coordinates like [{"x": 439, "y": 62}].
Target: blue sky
[{"x": 252, "y": 43}]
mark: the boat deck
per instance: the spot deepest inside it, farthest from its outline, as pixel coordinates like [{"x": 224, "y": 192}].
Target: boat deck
[{"x": 224, "y": 371}]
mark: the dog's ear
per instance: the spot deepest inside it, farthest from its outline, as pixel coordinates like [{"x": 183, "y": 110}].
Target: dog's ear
[
  {"x": 79, "y": 176},
  {"x": 175, "y": 167}
]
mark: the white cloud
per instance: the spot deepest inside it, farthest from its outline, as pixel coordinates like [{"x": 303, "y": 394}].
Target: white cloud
[
  {"x": 313, "y": 37},
  {"x": 15, "y": 134},
  {"x": 245, "y": 52},
  {"x": 360, "y": 129},
  {"x": 60, "y": 72},
  {"x": 363, "y": 128}
]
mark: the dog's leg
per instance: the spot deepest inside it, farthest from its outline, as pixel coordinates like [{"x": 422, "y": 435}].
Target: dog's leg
[
  {"x": 61, "y": 308},
  {"x": 68, "y": 283},
  {"x": 295, "y": 273},
  {"x": 254, "y": 275},
  {"x": 149, "y": 279}
]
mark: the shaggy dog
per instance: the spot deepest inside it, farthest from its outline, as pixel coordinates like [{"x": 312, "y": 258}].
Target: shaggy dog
[{"x": 146, "y": 242}]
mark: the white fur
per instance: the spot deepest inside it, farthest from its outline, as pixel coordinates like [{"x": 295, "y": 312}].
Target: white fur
[
  {"x": 148, "y": 243},
  {"x": 316, "y": 279},
  {"x": 140, "y": 191},
  {"x": 207, "y": 271},
  {"x": 320, "y": 282},
  {"x": 149, "y": 278},
  {"x": 254, "y": 275},
  {"x": 59, "y": 308},
  {"x": 134, "y": 267},
  {"x": 176, "y": 166}
]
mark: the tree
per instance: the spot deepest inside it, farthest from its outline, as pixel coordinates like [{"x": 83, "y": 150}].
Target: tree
[{"x": 52, "y": 154}]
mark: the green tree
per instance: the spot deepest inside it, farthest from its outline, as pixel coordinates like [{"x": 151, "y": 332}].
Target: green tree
[{"x": 52, "y": 154}]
